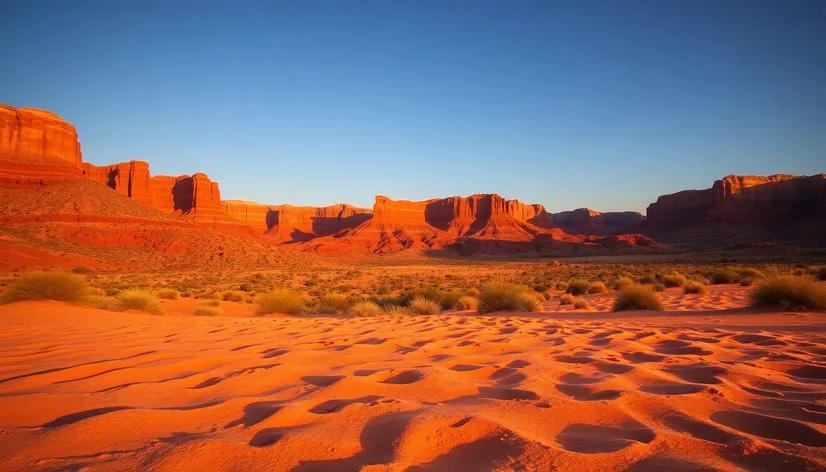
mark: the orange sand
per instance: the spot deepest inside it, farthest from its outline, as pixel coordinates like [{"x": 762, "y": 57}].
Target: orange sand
[{"x": 84, "y": 389}]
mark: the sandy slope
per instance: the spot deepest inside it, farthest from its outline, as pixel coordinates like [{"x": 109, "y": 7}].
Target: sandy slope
[{"x": 83, "y": 388}]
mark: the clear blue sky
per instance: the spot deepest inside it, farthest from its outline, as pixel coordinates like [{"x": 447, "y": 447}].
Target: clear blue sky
[{"x": 605, "y": 104}]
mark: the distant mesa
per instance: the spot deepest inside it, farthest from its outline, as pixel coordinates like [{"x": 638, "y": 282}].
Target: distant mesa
[{"x": 38, "y": 148}]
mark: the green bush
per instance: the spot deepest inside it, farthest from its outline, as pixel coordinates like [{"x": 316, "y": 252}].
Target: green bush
[
  {"x": 597, "y": 287},
  {"x": 424, "y": 306},
  {"x": 467, "y": 303},
  {"x": 694, "y": 287},
  {"x": 282, "y": 300},
  {"x": 637, "y": 297},
  {"x": 789, "y": 292},
  {"x": 505, "y": 296},
  {"x": 366, "y": 309},
  {"x": 140, "y": 300},
  {"x": 724, "y": 276},
  {"x": 675, "y": 279},
  {"x": 578, "y": 287},
  {"x": 167, "y": 294},
  {"x": 46, "y": 286}
]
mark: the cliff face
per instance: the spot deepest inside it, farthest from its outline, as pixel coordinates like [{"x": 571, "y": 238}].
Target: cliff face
[
  {"x": 775, "y": 207},
  {"x": 37, "y": 147},
  {"x": 287, "y": 223},
  {"x": 463, "y": 216}
]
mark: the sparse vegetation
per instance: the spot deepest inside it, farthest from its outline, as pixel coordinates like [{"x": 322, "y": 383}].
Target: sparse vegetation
[
  {"x": 567, "y": 299},
  {"x": 674, "y": 280},
  {"x": 467, "y": 303},
  {"x": 167, "y": 294},
  {"x": 724, "y": 276},
  {"x": 46, "y": 286},
  {"x": 790, "y": 292},
  {"x": 424, "y": 306},
  {"x": 395, "y": 310},
  {"x": 597, "y": 287},
  {"x": 504, "y": 296},
  {"x": 140, "y": 300},
  {"x": 578, "y": 287},
  {"x": 233, "y": 296},
  {"x": 366, "y": 309},
  {"x": 281, "y": 300},
  {"x": 637, "y": 297},
  {"x": 205, "y": 310},
  {"x": 581, "y": 304},
  {"x": 694, "y": 287}
]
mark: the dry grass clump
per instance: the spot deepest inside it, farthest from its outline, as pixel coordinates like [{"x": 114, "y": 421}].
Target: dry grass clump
[
  {"x": 233, "y": 296},
  {"x": 424, "y": 306},
  {"x": 140, "y": 300},
  {"x": 282, "y": 300},
  {"x": 658, "y": 287},
  {"x": 167, "y": 293},
  {"x": 694, "y": 287},
  {"x": 366, "y": 309},
  {"x": 211, "y": 302},
  {"x": 396, "y": 310},
  {"x": 504, "y": 296},
  {"x": 746, "y": 281},
  {"x": 467, "y": 303},
  {"x": 638, "y": 297},
  {"x": 95, "y": 292},
  {"x": 567, "y": 299},
  {"x": 578, "y": 287},
  {"x": 471, "y": 292},
  {"x": 597, "y": 287},
  {"x": 623, "y": 282},
  {"x": 206, "y": 310},
  {"x": 751, "y": 273},
  {"x": 675, "y": 279},
  {"x": 581, "y": 304},
  {"x": 102, "y": 302},
  {"x": 790, "y": 292},
  {"x": 724, "y": 276},
  {"x": 449, "y": 299},
  {"x": 46, "y": 286}
]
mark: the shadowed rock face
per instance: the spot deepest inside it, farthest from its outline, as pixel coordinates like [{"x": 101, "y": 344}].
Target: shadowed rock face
[
  {"x": 776, "y": 204},
  {"x": 287, "y": 223}
]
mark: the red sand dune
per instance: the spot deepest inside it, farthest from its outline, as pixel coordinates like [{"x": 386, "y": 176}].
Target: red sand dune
[{"x": 696, "y": 390}]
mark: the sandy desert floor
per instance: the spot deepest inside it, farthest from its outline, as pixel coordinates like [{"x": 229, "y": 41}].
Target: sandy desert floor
[{"x": 84, "y": 389}]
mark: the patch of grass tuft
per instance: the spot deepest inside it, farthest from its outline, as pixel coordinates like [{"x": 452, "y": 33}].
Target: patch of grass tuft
[
  {"x": 46, "y": 286},
  {"x": 638, "y": 297},
  {"x": 282, "y": 300}
]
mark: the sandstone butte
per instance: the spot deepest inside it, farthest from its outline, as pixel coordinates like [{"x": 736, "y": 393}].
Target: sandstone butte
[{"x": 37, "y": 147}]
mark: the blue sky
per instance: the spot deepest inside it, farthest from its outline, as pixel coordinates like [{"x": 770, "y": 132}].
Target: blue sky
[{"x": 604, "y": 104}]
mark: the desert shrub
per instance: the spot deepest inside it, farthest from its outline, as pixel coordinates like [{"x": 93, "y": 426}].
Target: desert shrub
[
  {"x": 95, "y": 292},
  {"x": 561, "y": 286},
  {"x": 428, "y": 293},
  {"x": 467, "y": 303},
  {"x": 335, "y": 303},
  {"x": 658, "y": 287},
  {"x": 167, "y": 293},
  {"x": 211, "y": 302},
  {"x": 637, "y": 297},
  {"x": 581, "y": 304},
  {"x": 800, "y": 271},
  {"x": 751, "y": 273},
  {"x": 449, "y": 299},
  {"x": 46, "y": 286},
  {"x": 82, "y": 270},
  {"x": 424, "y": 306},
  {"x": 624, "y": 281},
  {"x": 388, "y": 300},
  {"x": 111, "y": 291},
  {"x": 204, "y": 310},
  {"x": 648, "y": 279},
  {"x": 694, "y": 287},
  {"x": 233, "y": 296},
  {"x": 746, "y": 281},
  {"x": 724, "y": 276},
  {"x": 675, "y": 279},
  {"x": 141, "y": 300},
  {"x": 471, "y": 292},
  {"x": 790, "y": 292},
  {"x": 504, "y": 296},
  {"x": 396, "y": 310},
  {"x": 186, "y": 294},
  {"x": 366, "y": 309},
  {"x": 282, "y": 300},
  {"x": 567, "y": 299},
  {"x": 597, "y": 287},
  {"x": 214, "y": 296},
  {"x": 578, "y": 287}
]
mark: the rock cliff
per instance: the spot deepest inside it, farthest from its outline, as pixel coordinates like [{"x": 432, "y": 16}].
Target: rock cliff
[
  {"x": 287, "y": 223},
  {"x": 738, "y": 206}
]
